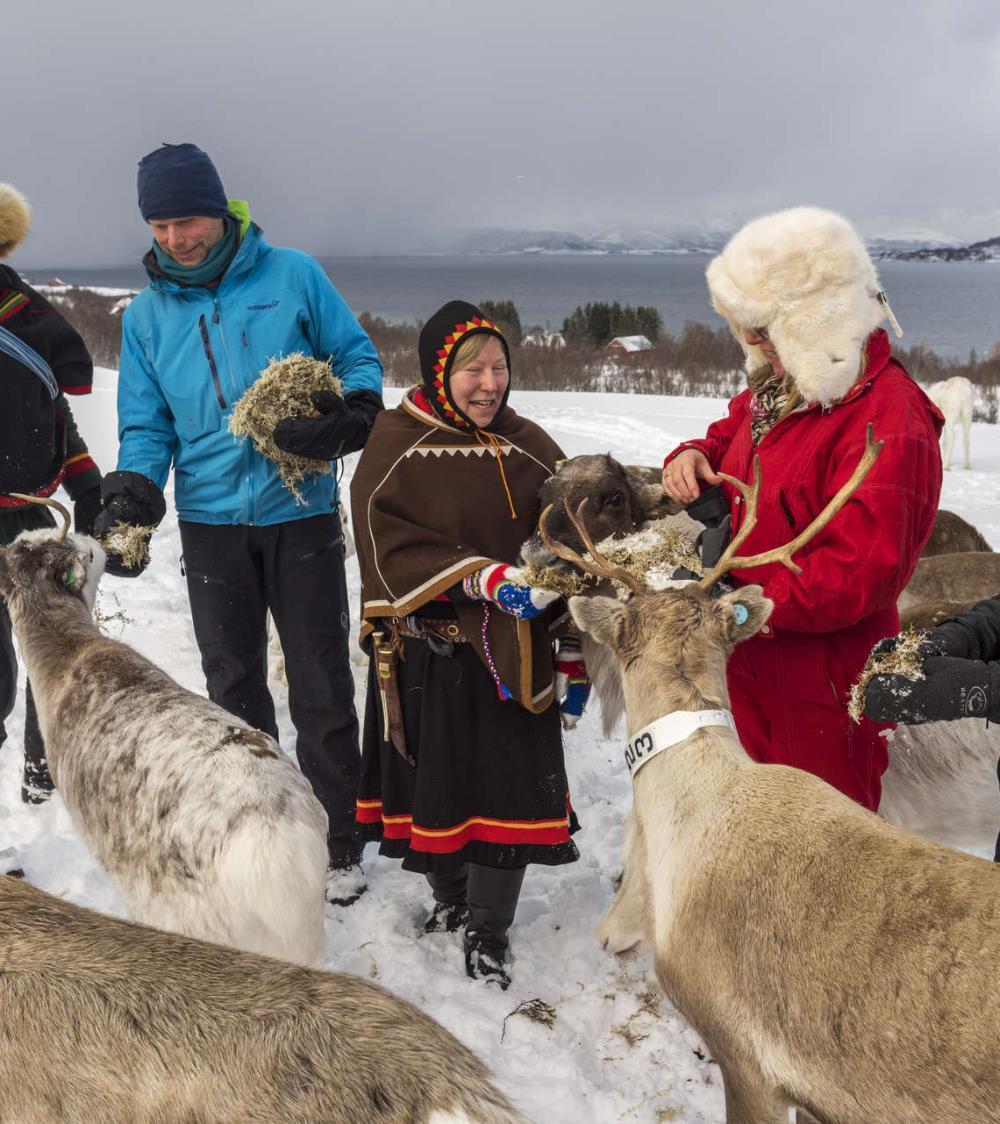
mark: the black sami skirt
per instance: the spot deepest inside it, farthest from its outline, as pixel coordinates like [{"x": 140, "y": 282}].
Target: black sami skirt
[{"x": 489, "y": 784}]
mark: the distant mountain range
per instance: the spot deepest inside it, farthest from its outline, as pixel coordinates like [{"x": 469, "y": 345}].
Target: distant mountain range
[
  {"x": 915, "y": 246},
  {"x": 988, "y": 250},
  {"x": 503, "y": 241}
]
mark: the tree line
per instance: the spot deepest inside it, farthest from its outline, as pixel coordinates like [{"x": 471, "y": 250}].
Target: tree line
[{"x": 700, "y": 359}]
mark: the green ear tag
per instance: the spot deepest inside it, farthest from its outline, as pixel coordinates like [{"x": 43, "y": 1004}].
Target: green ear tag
[
  {"x": 71, "y": 579},
  {"x": 740, "y": 613}
]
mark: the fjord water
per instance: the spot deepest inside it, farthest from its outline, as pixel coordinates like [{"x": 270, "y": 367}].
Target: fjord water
[{"x": 953, "y": 307}]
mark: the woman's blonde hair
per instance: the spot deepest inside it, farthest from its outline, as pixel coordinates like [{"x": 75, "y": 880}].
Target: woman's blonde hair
[{"x": 469, "y": 349}]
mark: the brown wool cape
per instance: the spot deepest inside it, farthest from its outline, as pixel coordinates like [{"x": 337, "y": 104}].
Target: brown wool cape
[{"x": 429, "y": 506}]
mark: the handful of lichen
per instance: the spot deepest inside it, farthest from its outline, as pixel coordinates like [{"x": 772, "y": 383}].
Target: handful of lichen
[
  {"x": 129, "y": 542},
  {"x": 283, "y": 390},
  {"x": 655, "y": 551},
  {"x": 903, "y": 660}
]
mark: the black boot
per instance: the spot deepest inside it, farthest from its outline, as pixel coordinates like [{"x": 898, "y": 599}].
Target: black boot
[
  {"x": 345, "y": 876},
  {"x": 492, "y": 896},
  {"x": 450, "y": 912},
  {"x": 37, "y": 786}
]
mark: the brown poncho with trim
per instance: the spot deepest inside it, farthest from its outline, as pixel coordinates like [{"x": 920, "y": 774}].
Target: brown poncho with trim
[{"x": 429, "y": 506}]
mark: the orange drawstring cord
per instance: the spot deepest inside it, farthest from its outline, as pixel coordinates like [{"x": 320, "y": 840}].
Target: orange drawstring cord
[{"x": 492, "y": 442}]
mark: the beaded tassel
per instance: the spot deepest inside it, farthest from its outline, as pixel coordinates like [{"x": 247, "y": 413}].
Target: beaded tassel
[{"x": 502, "y": 691}]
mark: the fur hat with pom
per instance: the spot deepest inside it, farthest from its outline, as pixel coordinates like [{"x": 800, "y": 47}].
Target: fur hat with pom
[
  {"x": 15, "y": 218},
  {"x": 805, "y": 276}
]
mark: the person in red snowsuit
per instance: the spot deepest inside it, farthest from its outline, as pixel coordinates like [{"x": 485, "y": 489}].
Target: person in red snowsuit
[{"x": 802, "y": 297}]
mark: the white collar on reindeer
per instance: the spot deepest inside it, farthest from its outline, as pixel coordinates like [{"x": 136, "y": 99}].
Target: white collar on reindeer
[{"x": 670, "y": 730}]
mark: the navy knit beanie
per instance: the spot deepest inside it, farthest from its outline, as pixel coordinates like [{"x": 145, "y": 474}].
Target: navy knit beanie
[{"x": 179, "y": 181}]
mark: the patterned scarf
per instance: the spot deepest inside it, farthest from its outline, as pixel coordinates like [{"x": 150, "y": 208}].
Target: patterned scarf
[{"x": 766, "y": 406}]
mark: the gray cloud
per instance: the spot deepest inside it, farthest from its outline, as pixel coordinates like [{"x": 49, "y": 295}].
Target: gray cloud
[{"x": 387, "y": 125}]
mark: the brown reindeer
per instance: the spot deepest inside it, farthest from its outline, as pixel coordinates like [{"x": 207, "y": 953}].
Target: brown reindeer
[
  {"x": 953, "y": 535},
  {"x": 830, "y": 960},
  {"x": 106, "y": 1022},
  {"x": 965, "y": 577}
]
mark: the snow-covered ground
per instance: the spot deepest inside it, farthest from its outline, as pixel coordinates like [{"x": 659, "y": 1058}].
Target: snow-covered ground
[{"x": 616, "y": 1051}]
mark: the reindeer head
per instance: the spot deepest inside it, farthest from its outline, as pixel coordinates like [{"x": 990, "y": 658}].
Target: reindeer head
[
  {"x": 673, "y": 643},
  {"x": 51, "y": 562},
  {"x": 619, "y": 501}
]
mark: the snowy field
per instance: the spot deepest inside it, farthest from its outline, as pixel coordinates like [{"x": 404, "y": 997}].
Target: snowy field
[{"x": 616, "y": 1050}]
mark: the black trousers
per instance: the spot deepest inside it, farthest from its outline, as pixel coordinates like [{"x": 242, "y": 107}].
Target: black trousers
[
  {"x": 295, "y": 569},
  {"x": 12, "y": 523}
]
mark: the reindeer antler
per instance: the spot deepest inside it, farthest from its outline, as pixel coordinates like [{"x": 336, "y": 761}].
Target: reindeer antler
[
  {"x": 47, "y": 503},
  {"x": 730, "y": 560},
  {"x": 599, "y": 566}
]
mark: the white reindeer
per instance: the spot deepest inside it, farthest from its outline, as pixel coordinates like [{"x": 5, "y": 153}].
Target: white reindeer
[
  {"x": 105, "y": 1022},
  {"x": 203, "y": 823},
  {"x": 830, "y": 961},
  {"x": 954, "y": 398}
]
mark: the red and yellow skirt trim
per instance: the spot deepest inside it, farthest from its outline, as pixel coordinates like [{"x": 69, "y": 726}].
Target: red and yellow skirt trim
[{"x": 444, "y": 840}]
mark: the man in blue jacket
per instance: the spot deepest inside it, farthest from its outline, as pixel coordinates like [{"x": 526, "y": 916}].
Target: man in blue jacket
[{"x": 220, "y": 305}]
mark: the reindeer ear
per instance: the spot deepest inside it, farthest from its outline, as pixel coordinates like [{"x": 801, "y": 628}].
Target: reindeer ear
[
  {"x": 74, "y": 574},
  {"x": 602, "y": 617},
  {"x": 744, "y": 612}
]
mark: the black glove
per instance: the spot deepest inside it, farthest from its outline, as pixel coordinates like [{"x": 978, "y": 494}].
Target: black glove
[
  {"x": 953, "y": 688},
  {"x": 946, "y": 639},
  {"x": 86, "y": 508},
  {"x": 133, "y": 499},
  {"x": 342, "y": 427},
  {"x": 712, "y": 509}
]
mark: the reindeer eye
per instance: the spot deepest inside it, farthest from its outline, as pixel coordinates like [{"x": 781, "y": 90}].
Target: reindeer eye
[{"x": 615, "y": 499}]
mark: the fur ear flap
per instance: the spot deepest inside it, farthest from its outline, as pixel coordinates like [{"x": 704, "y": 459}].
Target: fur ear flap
[
  {"x": 744, "y": 612},
  {"x": 602, "y": 617}
]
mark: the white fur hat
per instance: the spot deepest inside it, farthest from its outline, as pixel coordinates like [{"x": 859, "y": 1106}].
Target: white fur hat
[
  {"x": 805, "y": 276},
  {"x": 15, "y": 218}
]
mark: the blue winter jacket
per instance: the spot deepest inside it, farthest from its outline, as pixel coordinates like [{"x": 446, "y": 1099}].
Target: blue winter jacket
[{"x": 189, "y": 353}]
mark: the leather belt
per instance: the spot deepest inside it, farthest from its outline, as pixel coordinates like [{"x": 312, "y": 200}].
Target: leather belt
[{"x": 422, "y": 628}]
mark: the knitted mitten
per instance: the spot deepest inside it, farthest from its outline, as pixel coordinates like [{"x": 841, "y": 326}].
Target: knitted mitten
[
  {"x": 572, "y": 681},
  {"x": 505, "y": 586}
]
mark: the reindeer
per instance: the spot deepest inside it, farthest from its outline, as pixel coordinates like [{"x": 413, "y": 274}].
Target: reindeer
[
  {"x": 941, "y": 779},
  {"x": 954, "y": 397},
  {"x": 829, "y": 960},
  {"x": 106, "y": 1022},
  {"x": 970, "y": 576},
  {"x": 204, "y": 824},
  {"x": 953, "y": 535}
]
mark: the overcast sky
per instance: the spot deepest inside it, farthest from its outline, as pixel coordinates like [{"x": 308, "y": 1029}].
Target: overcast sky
[{"x": 393, "y": 125}]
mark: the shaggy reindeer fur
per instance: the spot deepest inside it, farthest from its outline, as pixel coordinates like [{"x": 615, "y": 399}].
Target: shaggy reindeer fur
[
  {"x": 105, "y": 1022},
  {"x": 204, "y": 824},
  {"x": 955, "y": 398},
  {"x": 971, "y": 576},
  {"x": 830, "y": 960},
  {"x": 953, "y": 535}
]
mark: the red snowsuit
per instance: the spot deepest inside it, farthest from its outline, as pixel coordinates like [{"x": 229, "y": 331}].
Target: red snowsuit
[{"x": 788, "y": 684}]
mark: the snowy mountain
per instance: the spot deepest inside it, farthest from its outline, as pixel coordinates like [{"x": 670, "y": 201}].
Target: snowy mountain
[
  {"x": 708, "y": 238},
  {"x": 987, "y": 250}
]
